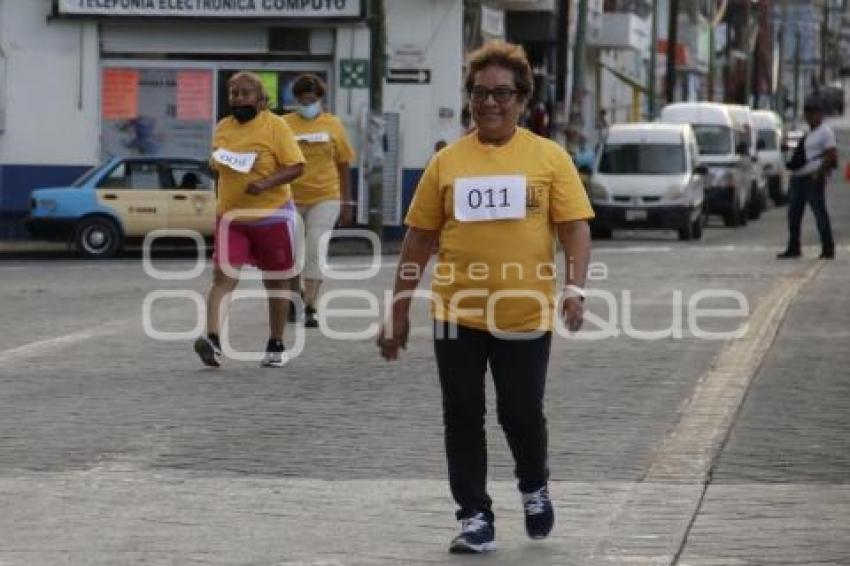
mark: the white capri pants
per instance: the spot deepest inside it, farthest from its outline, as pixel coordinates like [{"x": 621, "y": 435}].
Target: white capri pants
[{"x": 318, "y": 218}]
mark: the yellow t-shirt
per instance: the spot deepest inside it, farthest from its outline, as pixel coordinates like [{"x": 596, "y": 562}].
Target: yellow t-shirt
[
  {"x": 271, "y": 139},
  {"x": 503, "y": 256},
  {"x": 325, "y": 144}
]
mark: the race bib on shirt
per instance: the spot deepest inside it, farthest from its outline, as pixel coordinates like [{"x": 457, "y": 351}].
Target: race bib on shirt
[
  {"x": 500, "y": 197},
  {"x": 315, "y": 137},
  {"x": 241, "y": 162}
]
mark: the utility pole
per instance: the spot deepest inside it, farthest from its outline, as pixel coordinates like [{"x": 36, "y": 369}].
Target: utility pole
[
  {"x": 727, "y": 66},
  {"x": 377, "y": 57},
  {"x": 576, "y": 118},
  {"x": 672, "y": 40},
  {"x": 712, "y": 9},
  {"x": 653, "y": 62},
  {"x": 824, "y": 41},
  {"x": 779, "y": 94},
  {"x": 749, "y": 67},
  {"x": 796, "y": 74},
  {"x": 561, "y": 64}
]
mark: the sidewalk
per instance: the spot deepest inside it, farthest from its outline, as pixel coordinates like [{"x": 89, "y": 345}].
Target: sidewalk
[{"x": 780, "y": 491}]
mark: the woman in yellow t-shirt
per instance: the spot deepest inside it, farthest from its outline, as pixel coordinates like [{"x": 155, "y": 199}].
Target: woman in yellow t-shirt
[
  {"x": 255, "y": 157},
  {"x": 323, "y": 193},
  {"x": 494, "y": 200}
]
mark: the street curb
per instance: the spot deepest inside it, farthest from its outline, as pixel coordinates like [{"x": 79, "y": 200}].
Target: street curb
[{"x": 337, "y": 247}]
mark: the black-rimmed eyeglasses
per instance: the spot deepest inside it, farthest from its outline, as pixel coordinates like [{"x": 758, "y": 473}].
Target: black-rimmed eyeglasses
[{"x": 500, "y": 94}]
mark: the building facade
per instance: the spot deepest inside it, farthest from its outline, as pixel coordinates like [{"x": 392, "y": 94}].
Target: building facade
[{"x": 84, "y": 79}]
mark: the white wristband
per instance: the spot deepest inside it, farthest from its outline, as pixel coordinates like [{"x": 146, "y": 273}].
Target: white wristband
[{"x": 574, "y": 291}]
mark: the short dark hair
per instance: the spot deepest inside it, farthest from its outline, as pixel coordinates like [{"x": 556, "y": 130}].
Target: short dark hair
[
  {"x": 308, "y": 82},
  {"x": 502, "y": 54},
  {"x": 813, "y": 104}
]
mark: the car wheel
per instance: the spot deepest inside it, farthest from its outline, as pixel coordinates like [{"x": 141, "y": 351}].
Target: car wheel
[
  {"x": 692, "y": 229},
  {"x": 756, "y": 205},
  {"x": 696, "y": 231},
  {"x": 97, "y": 238},
  {"x": 733, "y": 217}
]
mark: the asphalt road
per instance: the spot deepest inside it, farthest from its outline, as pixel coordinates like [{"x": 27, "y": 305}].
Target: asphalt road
[{"x": 117, "y": 448}]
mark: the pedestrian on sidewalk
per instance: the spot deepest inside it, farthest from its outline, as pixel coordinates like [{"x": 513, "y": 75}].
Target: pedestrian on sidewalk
[
  {"x": 255, "y": 157},
  {"x": 323, "y": 193},
  {"x": 494, "y": 200},
  {"x": 814, "y": 159}
]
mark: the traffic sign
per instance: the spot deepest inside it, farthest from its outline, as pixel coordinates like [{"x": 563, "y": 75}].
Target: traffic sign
[{"x": 409, "y": 76}]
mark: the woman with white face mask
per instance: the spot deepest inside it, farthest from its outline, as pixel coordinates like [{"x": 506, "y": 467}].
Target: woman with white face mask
[{"x": 323, "y": 193}]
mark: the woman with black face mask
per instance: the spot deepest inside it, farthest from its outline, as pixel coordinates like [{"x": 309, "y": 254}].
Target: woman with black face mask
[{"x": 256, "y": 157}]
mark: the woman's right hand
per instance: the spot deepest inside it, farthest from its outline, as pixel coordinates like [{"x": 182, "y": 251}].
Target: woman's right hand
[{"x": 393, "y": 336}]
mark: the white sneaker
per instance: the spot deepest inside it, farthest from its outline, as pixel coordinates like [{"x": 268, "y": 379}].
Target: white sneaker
[{"x": 275, "y": 355}]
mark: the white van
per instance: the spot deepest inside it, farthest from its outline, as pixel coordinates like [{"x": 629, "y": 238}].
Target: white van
[
  {"x": 742, "y": 116},
  {"x": 769, "y": 145},
  {"x": 648, "y": 176},
  {"x": 728, "y": 189}
]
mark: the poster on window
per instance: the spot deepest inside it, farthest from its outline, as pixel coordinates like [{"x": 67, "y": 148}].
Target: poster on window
[
  {"x": 173, "y": 117},
  {"x": 120, "y": 94},
  {"x": 194, "y": 95}
]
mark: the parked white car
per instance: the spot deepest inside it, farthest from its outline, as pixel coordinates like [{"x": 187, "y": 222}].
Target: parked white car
[
  {"x": 742, "y": 117},
  {"x": 769, "y": 128},
  {"x": 728, "y": 189},
  {"x": 649, "y": 176}
]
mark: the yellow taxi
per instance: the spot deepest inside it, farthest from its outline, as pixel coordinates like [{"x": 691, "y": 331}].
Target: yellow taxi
[{"x": 124, "y": 199}]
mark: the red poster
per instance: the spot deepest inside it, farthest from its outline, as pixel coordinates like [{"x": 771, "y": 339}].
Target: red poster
[
  {"x": 120, "y": 94},
  {"x": 194, "y": 95}
]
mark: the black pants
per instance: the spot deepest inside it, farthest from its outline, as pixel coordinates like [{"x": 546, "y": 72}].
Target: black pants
[
  {"x": 812, "y": 190},
  {"x": 519, "y": 374}
]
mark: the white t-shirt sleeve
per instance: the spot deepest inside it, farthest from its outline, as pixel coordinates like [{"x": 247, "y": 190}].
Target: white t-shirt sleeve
[
  {"x": 829, "y": 138},
  {"x": 818, "y": 142}
]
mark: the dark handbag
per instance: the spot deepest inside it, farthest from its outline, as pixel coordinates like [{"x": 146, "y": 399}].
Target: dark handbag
[{"x": 798, "y": 158}]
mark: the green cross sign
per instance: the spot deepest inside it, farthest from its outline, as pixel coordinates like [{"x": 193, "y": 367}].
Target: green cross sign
[{"x": 353, "y": 73}]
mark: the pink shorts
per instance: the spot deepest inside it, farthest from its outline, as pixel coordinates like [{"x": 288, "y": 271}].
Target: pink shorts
[{"x": 268, "y": 244}]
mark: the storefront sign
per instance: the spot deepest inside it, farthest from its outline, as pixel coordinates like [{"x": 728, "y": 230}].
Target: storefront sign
[
  {"x": 214, "y": 8},
  {"x": 493, "y": 22}
]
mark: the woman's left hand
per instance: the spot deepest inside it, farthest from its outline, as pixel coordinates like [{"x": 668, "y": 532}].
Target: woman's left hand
[
  {"x": 573, "y": 313},
  {"x": 255, "y": 187}
]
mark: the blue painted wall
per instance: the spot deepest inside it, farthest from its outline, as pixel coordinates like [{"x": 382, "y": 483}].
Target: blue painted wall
[{"x": 17, "y": 181}]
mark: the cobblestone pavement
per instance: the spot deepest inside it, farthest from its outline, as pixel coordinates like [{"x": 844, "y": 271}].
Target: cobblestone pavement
[{"x": 117, "y": 449}]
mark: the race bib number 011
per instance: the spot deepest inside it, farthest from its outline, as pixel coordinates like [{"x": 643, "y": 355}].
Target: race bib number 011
[
  {"x": 500, "y": 197},
  {"x": 241, "y": 162}
]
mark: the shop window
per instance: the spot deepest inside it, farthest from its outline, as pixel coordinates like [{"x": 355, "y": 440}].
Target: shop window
[
  {"x": 289, "y": 40},
  {"x": 149, "y": 111}
]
